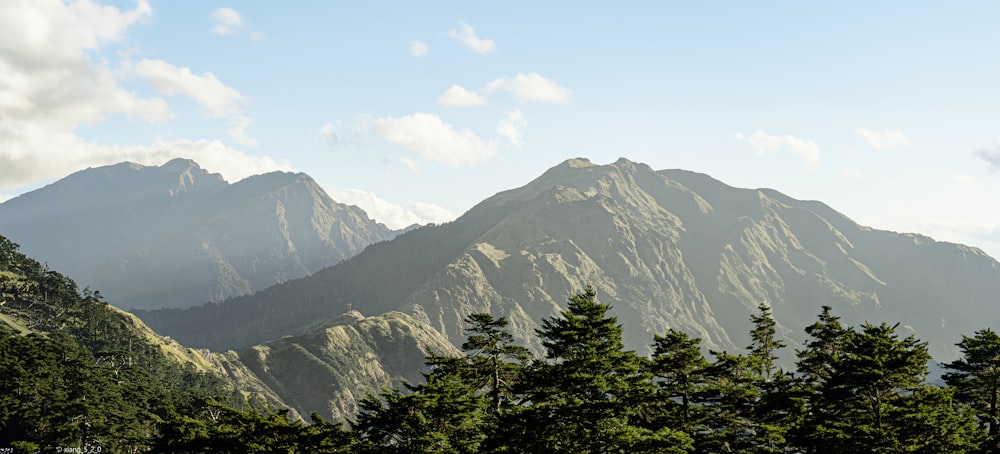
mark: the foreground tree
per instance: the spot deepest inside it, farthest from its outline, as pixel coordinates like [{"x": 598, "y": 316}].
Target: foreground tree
[
  {"x": 679, "y": 368},
  {"x": 495, "y": 362},
  {"x": 874, "y": 399},
  {"x": 976, "y": 379},
  {"x": 591, "y": 395},
  {"x": 442, "y": 415}
]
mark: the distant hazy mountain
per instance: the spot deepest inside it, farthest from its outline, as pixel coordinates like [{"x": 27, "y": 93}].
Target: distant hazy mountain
[
  {"x": 668, "y": 249},
  {"x": 177, "y": 235}
]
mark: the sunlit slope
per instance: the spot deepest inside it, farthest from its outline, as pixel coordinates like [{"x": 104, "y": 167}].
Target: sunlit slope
[{"x": 667, "y": 249}]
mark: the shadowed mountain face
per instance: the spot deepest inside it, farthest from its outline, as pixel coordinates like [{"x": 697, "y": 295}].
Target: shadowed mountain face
[
  {"x": 667, "y": 249},
  {"x": 176, "y": 235}
]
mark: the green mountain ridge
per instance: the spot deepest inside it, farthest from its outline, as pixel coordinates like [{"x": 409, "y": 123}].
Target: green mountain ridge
[{"x": 667, "y": 249}]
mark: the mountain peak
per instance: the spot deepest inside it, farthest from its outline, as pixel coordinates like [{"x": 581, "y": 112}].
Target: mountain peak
[
  {"x": 578, "y": 163},
  {"x": 180, "y": 165}
]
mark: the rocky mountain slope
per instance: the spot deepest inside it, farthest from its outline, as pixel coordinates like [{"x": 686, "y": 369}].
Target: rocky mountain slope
[
  {"x": 177, "y": 235},
  {"x": 668, "y": 249}
]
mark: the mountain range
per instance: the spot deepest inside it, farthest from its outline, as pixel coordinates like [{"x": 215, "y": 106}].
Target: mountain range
[
  {"x": 667, "y": 249},
  {"x": 176, "y": 235}
]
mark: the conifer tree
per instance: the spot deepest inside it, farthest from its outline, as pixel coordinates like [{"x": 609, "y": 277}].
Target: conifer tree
[
  {"x": 976, "y": 379},
  {"x": 495, "y": 362},
  {"x": 871, "y": 398},
  {"x": 591, "y": 395},
  {"x": 441, "y": 415},
  {"x": 679, "y": 369}
]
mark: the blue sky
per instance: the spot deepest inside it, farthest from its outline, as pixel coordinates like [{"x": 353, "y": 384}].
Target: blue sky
[{"x": 887, "y": 112}]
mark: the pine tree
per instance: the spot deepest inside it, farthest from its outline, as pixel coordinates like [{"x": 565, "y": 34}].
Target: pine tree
[
  {"x": 441, "y": 415},
  {"x": 679, "y": 369},
  {"x": 976, "y": 379},
  {"x": 495, "y": 362},
  {"x": 773, "y": 412},
  {"x": 871, "y": 397},
  {"x": 591, "y": 395}
]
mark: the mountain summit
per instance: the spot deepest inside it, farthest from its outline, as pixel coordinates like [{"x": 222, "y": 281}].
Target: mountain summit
[
  {"x": 177, "y": 235},
  {"x": 667, "y": 249}
]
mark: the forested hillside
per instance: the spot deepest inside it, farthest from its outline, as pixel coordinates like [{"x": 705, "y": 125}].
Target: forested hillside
[{"x": 78, "y": 372}]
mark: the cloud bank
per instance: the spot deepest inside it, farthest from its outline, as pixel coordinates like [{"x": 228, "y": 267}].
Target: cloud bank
[{"x": 50, "y": 85}]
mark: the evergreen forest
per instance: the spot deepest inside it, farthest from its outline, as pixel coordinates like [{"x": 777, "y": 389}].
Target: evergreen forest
[{"x": 75, "y": 378}]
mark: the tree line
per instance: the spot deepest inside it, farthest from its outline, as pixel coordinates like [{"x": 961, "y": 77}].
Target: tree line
[{"x": 853, "y": 390}]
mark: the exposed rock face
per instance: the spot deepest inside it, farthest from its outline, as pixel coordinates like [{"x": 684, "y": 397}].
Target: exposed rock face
[
  {"x": 667, "y": 249},
  {"x": 177, "y": 235},
  {"x": 332, "y": 366}
]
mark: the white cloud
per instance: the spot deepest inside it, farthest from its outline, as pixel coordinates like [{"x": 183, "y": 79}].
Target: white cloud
[
  {"x": 410, "y": 164},
  {"x": 431, "y": 138},
  {"x": 884, "y": 140},
  {"x": 238, "y": 131},
  {"x": 227, "y": 21},
  {"x": 49, "y": 86},
  {"x": 511, "y": 127},
  {"x": 765, "y": 143},
  {"x": 532, "y": 87},
  {"x": 393, "y": 215},
  {"x": 458, "y": 96},
  {"x": 5, "y": 197},
  {"x": 219, "y": 99},
  {"x": 418, "y": 48},
  {"x": 468, "y": 37},
  {"x": 46, "y": 74}
]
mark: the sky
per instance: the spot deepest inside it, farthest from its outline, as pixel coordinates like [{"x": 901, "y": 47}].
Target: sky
[{"x": 889, "y": 112}]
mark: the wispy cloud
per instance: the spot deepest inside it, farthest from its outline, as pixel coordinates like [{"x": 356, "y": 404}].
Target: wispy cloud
[
  {"x": 884, "y": 140},
  {"x": 410, "y": 164},
  {"x": 237, "y": 131},
  {"x": 418, "y": 48},
  {"x": 227, "y": 21},
  {"x": 467, "y": 36},
  {"x": 532, "y": 87},
  {"x": 764, "y": 143},
  {"x": 458, "y": 96},
  {"x": 511, "y": 127}
]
